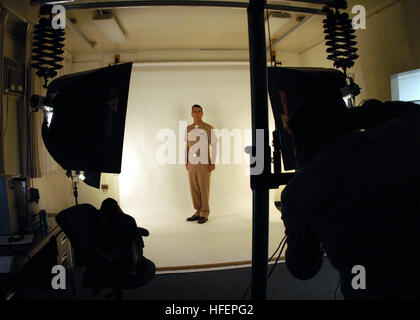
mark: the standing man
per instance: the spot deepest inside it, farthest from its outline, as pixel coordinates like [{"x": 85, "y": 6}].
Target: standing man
[{"x": 199, "y": 136}]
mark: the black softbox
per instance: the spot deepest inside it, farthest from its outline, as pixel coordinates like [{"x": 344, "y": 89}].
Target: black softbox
[
  {"x": 289, "y": 88},
  {"x": 86, "y": 132}
]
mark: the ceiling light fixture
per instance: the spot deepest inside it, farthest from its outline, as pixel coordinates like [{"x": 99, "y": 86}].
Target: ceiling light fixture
[
  {"x": 110, "y": 27},
  {"x": 41, "y": 2}
]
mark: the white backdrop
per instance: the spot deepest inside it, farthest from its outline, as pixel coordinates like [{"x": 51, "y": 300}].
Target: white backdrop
[{"x": 158, "y": 195}]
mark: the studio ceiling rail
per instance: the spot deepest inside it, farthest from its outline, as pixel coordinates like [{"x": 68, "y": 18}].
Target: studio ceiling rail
[{"x": 226, "y": 4}]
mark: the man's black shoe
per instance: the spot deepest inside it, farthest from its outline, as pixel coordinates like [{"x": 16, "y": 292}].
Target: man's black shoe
[
  {"x": 193, "y": 218},
  {"x": 202, "y": 220}
]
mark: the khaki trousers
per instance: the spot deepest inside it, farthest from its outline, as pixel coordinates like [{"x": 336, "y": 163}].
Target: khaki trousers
[{"x": 199, "y": 176}]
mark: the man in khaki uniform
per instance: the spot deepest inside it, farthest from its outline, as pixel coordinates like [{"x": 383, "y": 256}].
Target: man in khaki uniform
[{"x": 200, "y": 163}]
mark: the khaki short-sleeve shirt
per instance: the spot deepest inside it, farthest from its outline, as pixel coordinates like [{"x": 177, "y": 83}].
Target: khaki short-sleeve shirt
[{"x": 195, "y": 133}]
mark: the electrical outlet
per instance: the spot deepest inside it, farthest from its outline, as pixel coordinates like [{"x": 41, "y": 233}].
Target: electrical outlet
[{"x": 104, "y": 188}]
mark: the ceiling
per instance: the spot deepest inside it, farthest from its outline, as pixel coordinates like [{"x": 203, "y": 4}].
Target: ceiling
[{"x": 189, "y": 28}]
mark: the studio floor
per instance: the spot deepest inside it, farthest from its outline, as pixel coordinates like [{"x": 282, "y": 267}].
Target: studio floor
[
  {"x": 228, "y": 284},
  {"x": 225, "y": 239}
]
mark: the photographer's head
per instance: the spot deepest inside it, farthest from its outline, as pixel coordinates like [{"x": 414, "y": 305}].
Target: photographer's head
[
  {"x": 110, "y": 208},
  {"x": 314, "y": 123}
]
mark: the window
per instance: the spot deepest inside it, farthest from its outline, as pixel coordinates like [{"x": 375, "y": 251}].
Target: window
[{"x": 406, "y": 86}]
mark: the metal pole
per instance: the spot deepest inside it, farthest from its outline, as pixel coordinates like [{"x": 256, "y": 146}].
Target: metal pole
[{"x": 259, "y": 105}]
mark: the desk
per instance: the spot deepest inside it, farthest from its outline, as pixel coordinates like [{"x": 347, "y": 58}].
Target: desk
[{"x": 9, "y": 283}]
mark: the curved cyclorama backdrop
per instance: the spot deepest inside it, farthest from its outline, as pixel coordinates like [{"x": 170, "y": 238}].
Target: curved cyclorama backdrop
[{"x": 157, "y": 194}]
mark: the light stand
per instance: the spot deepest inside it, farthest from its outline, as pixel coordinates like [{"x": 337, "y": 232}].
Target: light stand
[{"x": 74, "y": 181}]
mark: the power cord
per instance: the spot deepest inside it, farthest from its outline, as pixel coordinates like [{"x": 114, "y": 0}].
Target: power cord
[
  {"x": 338, "y": 285},
  {"x": 278, "y": 258},
  {"x": 7, "y": 115}
]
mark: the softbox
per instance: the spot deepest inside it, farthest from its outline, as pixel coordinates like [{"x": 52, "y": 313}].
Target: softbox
[
  {"x": 86, "y": 131},
  {"x": 289, "y": 88},
  {"x": 92, "y": 178}
]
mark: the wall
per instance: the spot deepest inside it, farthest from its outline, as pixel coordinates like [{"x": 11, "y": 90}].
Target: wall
[
  {"x": 12, "y": 117},
  {"x": 55, "y": 187},
  {"x": 83, "y": 61},
  {"x": 56, "y": 192},
  {"x": 160, "y": 97},
  {"x": 158, "y": 195},
  {"x": 19, "y": 8},
  {"x": 389, "y": 45}
]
